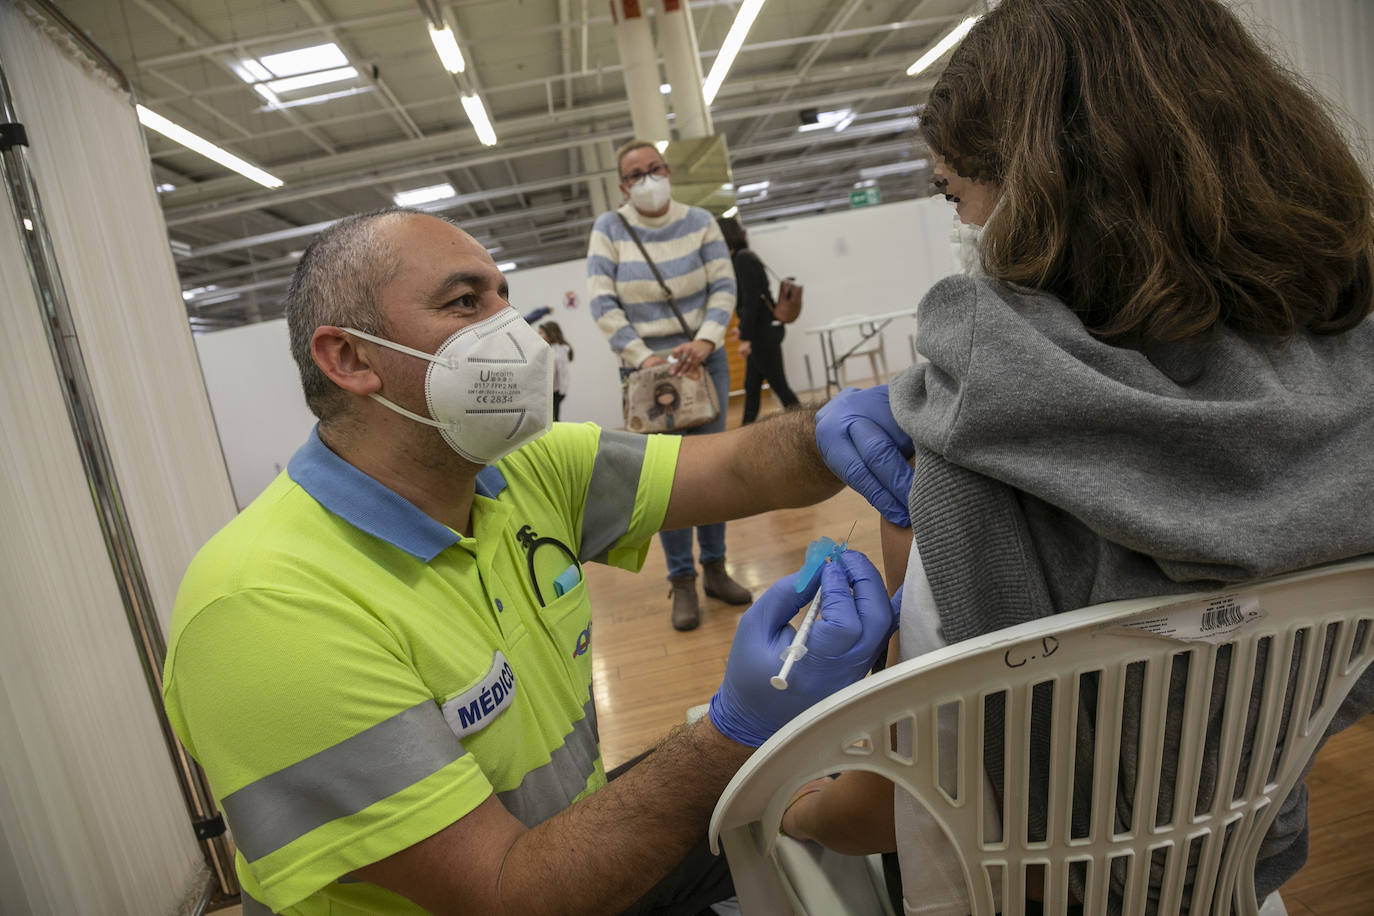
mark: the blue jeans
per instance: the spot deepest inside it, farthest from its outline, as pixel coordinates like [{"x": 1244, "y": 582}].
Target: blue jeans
[{"x": 677, "y": 544}]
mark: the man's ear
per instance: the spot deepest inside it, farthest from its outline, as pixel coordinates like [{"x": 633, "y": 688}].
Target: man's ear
[{"x": 345, "y": 360}]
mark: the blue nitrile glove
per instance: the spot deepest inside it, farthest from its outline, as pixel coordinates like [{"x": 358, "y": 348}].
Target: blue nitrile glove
[
  {"x": 863, "y": 446},
  {"x": 849, "y": 631}
]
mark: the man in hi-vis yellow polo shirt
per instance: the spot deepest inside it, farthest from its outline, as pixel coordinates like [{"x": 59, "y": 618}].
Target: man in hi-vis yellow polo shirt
[{"x": 384, "y": 663}]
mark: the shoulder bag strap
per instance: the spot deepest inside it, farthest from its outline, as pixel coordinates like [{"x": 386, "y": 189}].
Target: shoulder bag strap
[
  {"x": 657, "y": 276},
  {"x": 767, "y": 294}
]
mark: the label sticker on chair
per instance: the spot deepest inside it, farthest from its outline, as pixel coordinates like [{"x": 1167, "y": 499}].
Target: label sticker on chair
[{"x": 1214, "y": 621}]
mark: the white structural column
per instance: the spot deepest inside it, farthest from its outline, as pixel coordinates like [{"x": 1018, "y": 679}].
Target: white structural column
[
  {"x": 603, "y": 190},
  {"x": 681, "y": 59},
  {"x": 640, "y": 60}
]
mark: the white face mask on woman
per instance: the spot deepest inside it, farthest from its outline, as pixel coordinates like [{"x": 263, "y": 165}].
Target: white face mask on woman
[
  {"x": 651, "y": 193},
  {"x": 489, "y": 387}
]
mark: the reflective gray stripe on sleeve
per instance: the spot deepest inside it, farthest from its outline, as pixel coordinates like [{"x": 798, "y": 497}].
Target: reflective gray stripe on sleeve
[
  {"x": 253, "y": 907},
  {"x": 550, "y": 788},
  {"x": 340, "y": 780},
  {"x": 611, "y": 492}
]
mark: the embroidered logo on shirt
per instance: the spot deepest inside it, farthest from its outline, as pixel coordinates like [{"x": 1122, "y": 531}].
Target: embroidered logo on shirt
[
  {"x": 584, "y": 642},
  {"x": 473, "y": 709}
]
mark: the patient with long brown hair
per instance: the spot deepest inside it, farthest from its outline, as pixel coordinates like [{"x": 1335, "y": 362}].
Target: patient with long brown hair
[{"x": 1162, "y": 378}]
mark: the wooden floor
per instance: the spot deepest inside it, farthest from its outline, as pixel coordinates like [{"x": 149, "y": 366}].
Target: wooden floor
[{"x": 647, "y": 675}]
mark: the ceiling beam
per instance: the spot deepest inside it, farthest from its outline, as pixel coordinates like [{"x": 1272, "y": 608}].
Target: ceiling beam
[{"x": 409, "y": 158}]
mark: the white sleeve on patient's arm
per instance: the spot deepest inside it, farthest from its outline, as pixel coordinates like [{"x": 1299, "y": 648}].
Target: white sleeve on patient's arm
[{"x": 932, "y": 879}]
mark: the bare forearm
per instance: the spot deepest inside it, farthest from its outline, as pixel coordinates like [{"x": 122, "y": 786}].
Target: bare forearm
[
  {"x": 896, "y": 548},
  {"x": 606, "y": 851},
  {"x": 772, "y": 464},
  {"x": 852, "y": 815},
  {"x": 784, "y": 459}
]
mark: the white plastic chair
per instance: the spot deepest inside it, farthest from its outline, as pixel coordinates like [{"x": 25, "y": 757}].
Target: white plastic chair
[
  {"x": 1294, "y": 617},
  {"x": 859, "y": 340}
]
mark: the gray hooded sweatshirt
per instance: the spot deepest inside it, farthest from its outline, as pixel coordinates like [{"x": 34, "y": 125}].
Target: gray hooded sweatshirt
[{"x": 1055, "y": 471}]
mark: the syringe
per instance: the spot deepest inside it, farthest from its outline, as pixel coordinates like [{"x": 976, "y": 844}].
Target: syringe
[
  {"x": 817, "y": 554},
  {"x": 798, "y": 647}
]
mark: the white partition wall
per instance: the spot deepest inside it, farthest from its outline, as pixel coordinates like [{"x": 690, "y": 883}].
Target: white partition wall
[
  {"x": 259, "y": 406},
  {"x": 92, "y": 819},
  {"x": 866, "y": 261}
]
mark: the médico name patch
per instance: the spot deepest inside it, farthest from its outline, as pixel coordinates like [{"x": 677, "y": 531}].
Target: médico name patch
[{"x": 473, "y": 709}]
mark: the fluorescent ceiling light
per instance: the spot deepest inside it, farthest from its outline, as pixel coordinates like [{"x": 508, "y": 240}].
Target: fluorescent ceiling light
[
  {"x": 175, "y": 132},
  {"x": 477, "y": 114},
  {"x": 424, "y": 195},
  {"x": 306, "y": 80},
  {"x": 450, "y": 55},
  {"x": 165, "y": 187},
  {"x": 276, "y": 104},
  {"x": 189, "y": 294},
  {"x": 665, "y": 88},
  {"x": 253, "y": 71},
  {"x": 28, "y": 224},
  {"x": 827, "y": 119},
  {"x": 291, "y": 71},
  {"x": 733, "y": 211},
  {"x": 866, "y": 183},
  {"x": 943, "y": 45},
  {"x": 893, "y": 168},
  {"x": 734, "y": 40},
  {"x": 305, "y": 60},
  {"x": 754, "y": 186},
  {"x": 506, "y": 266},
  {"x": 661, "y": 146}
]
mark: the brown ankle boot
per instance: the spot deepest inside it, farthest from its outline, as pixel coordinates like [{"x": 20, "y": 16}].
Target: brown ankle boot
[
  {"x": 686, "y": 610},
  {"x": 716, "y": 582}
]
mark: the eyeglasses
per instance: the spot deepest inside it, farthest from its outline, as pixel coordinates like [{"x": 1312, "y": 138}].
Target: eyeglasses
[{"x": 658, "y": 171}]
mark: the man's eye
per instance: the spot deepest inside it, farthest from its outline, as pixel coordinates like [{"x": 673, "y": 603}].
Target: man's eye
[{"x": 468, "y": 301}]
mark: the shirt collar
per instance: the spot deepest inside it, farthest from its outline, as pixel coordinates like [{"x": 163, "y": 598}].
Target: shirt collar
[{"x": 370, "y": 506}]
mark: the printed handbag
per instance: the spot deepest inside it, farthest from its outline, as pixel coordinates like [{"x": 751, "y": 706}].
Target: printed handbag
[{"x": 656, "y": 401}]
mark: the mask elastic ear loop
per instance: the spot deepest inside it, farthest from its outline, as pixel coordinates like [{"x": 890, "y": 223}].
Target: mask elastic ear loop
[
  {"x": 406, "y": 413},
  {"x": 392, "y": 345}
]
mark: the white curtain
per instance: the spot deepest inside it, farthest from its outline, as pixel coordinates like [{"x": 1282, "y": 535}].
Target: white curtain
[
  {"x": 1329, "y": 42},
  {"x": 91, "y": 817}
]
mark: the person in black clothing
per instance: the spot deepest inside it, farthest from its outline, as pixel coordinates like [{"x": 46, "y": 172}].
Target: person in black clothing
[{"x": 760, "y": 335}]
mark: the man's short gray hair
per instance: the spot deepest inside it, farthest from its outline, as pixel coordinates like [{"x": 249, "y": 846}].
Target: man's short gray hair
[{"x": 338, "y": 282}]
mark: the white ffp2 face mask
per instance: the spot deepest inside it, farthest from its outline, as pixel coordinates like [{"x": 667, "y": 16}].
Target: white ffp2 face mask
[
  {"x": 651, "y": 193},
  {"x": 489, "y": 388}
]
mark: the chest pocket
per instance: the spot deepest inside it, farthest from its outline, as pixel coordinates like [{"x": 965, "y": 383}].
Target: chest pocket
[
  {"x": 561, "y": 593},
  {"x": 568, "y": 620}
]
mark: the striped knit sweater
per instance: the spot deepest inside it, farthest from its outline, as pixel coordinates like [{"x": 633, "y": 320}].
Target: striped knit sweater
[{"x": 628, "y": 304}]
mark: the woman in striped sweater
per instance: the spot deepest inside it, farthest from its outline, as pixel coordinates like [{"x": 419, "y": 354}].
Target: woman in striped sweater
[{"x": 634, "y": 313}]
